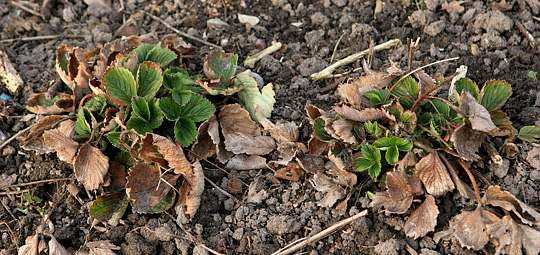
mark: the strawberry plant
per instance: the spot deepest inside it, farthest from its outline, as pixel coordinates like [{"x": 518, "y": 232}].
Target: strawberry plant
[
  {"x": 128, "y": 96},
  {"x": 398, "y": 116}
]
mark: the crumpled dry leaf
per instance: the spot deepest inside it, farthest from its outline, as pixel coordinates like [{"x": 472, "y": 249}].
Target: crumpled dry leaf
[
  {"x": 67, "y": 127},
  {"x": 244, "y": 162},
  {"x": 64, "y": 146},
  {"x": 291, "y": 173},
  {"x": 433, "y": 173},
  {"x": 391, "y": 204},
  {"x": 256, "y": 194},
  {"x": 103, "y": 247},
  {"x": 207, "y": 141},
  {"x": 34, "y": 139},
  {"x": 56, "y": 248},
  {"x": 343, "y": 129},
  {"x": 141, "y": 188},
  {"x": 453, "y": 6},
  {"x": 367, "y": 114},
  {"x": 470, "y": 228},
  {"x": 401, "y": 189},
  {"x": 409, "y": 160},
  {"x": 476, "y": 113},
  {"x": 90, "y": 166},
  {"x": 426, "y": 82},
  {"x": 118, "y": 174},
  {"x": 310, "y": 163},
  {"x": 282, "y": 131},
  {"x": 514, "y": 238},
  {"x": 39, "y": 104},
  {"x": 173, "y": 154},
  {"x": 332, "y": 191},
  {"x": 467, "y": 141},
  {"x": 31, "y": 246},
  {"x": 313, "y": 112},
  {"x": 504, "y": 199},
  {"x": 318, "y": 147},
  {"x": 196, "y": 182},
  {"x": 253, "y": 145},
  {"x": 353, "y": 92},
  {"x": 423, "y": 219}
]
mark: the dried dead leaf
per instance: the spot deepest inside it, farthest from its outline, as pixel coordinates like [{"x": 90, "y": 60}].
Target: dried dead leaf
[
  {"x": 173, "y": 154},
  {"x": 409, "y": 160},
  {"x": 207, "y": 141},
  {"x": 342, "y": 177},
  {"x": 90, "y": 166},
  {"x": 282, "y": 131},
  {"x": 353, "y": 92},
  {"x": 343, "y": 129},
  {"x": 141, "y": 189},
  {"x": 56, "y": 248},
  {"x": 291, "y": 173},
  {"x": 244, "y": 162},
  {"x": 496, "y": 197},
  {"x": 433, "y": 173},
  {"x": 104, "y": 247},
  {"x": 453, "y": 6},
  {"x": 149, "y": 153},
  {"x": 235, "y": 186},
  {"x": 318, "y": 147},
  {"x": 364, "y": 115},
  {"x": 235, "y": 119},
  {"x": 332, "y": 191},
  {"x": 514, "y": 238},
  {"x": 118, "y": 174},
  {"x": 467, "y": 141},
  {"x": 313, "y": 112},
  {"x": 253, "y": 145},
  {"x": 64, "y": 146},
  {"x": 40, "y": 104},
  {"x": 390, "y": 204},
  {"x": 426, "y": 82},
  {"x": 470, "y": 228},
  {"x": 196, "y": 182},
  {"x": 476, "y": 113},
  {"x": 310, "y": 163},
  {"x": 402, "y": 185},
  {"x": 67, "y": 127},
  {"x": 34, "y": 140},
  {"x": 423, "y": 219},
  {"x": 31, "y": 246},
  {"x": 256, "y": 194}
]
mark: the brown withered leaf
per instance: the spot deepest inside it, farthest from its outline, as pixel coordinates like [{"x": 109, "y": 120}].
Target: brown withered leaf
[
  {"x": 467, "y": 141},
  {"x": 64, "y": 146},
  {"x": 67, "y": 127},
  {"x": 282, "y": 131},
  {"x": 31, "y": 246},
  {"x": 433, "y": 173},
  {"x": 90, "y": 166},
  {"x": 209, "y": 86},
  {"x": 423, "y": 219},
  {"x": 353, "y": 92},
  {"x": 514, "y": 238},
  {"x": 313, "y": 112},
  {"x": 318, "y": 147},
  {"x": 196, "y": 183},
  {"x": 343, "y": 129},
  {"x": 504, "y": 199},
  {"x": 141, "y": 188},
  {"x": 367, "y": 114},
  {"x": 470, "y": 228},
  {"x": 104, "y": 247},
  {"x": 82, "y": 77},
  {"x": 291, "y": 173},
  {"x": 409, "y": 160},
  {"x": 256, "y": 191},
  {"x": 332, "y": 191},
  {"x": 61, "y": 69},
  {"x": 235, "y": 186},
  {"x": 390, "y": 204},
  {"x": 426, "y": 82},
  {"x": 235, "y": 119},
  {"x": 173, "y": 154},
  {"x": 34, "y": 139},
  {"x": 207, "y": 141},
  {"x": 310, "y": 163},
  {"x": 342, "y": 177},
  {"x": 253, "y": 145},
  {"x": 402, "y": 185},
  {"x": 476, "y": 113},
  {"x": 39, "y": 104},
  {"x": 56, "y": 248},
  {"x": 244, "y": 162},
  {"x": 149, "y": 153},
  {"x": 118, "y": 174}
]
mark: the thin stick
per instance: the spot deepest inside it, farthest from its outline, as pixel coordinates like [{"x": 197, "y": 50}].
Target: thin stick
[
  {"x": 15, "y": 136},
  {"x": 26, "y": 9},
  {"x": 193, "y": 239},
  {"x": 14, "y": 192},
  {"x": 335, "y": 48},
  {"x": 182, "y": 33},
  {"x": 422, "y": 97},
  {"x": 528, "y": 35},
  {"x": 42, "y": 37},
  {"x": 39, "y": 182},
  {"x": 476, "y": 192},
  {"x": 486, "y": 181},
  {"x": 436, "y": 136},
  {"x": 327, "y": 72},
  {"x": 321, "y": 234},
  {"x": 220, "y": 189},
  {"x": 251, "y": 60},
  {"x": 13, "y": 238}
]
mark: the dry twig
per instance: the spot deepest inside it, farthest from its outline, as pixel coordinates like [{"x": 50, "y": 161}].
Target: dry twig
[
  {"x": 15, "y": 136},
  {"x": 41, "y": 37},
  {"x": 251, "y": 60},
  {"x": 27, "y": 9}
]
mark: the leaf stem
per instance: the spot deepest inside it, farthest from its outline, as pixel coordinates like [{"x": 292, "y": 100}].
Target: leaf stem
[
  {"x": 471, "y": 177},
  {"x": 436, "y": 136},
  {"x": 423, "y": 96}
]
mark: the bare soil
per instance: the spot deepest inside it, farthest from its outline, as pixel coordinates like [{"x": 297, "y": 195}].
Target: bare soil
[{"x": 314, "y": 34}]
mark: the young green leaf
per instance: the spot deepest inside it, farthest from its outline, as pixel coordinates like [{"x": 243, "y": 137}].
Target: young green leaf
[
  {"x": 113, "y": 138},
  {"x": 140, "y": 108},
  {"x": 371, "y": 152},
  {"x": 361, "y": 164},
  {"x": 408, "y": 87},
  {"x": 375, "y": 170},
  {"x": 170, "y": 108},
  {"x": 373, "y": 129},
  {"x": 529, "y": 133},
  {"x": 220, "y": 64},
  {"x": 97, "y": 103},
  {"x": 139, "y": 124},
  {"x": 149, "y": 80},
  {"x": 467, "y": 85},
  {"x": 197, "y": 108},
  {"x": 376, "y": 97},
  {"x": 494, "y": 94},
  {"x": 81, "y": 125},
  {"x": 318, "y": 128},
  {"x": 392, "y": 154},
  {"x": 142, "y": 51},
  {"x": 156, "y": 116},
  {"x": 257, "y": 103},
  {"x": 532, "y": 75},
  {"x": 185, "y": 131},
  {"x": 176, "y": 78},
  {"x": 161, "y": 56},
  {"x": 120, "y": 85}
]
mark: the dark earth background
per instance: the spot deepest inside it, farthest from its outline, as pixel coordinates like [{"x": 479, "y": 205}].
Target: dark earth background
[{"x": 309, "y": 31}]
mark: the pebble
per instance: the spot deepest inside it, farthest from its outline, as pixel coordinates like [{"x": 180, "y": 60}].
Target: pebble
[
  {"x": 252, "y": 20},
  {"x": 533, "y": 157},
  {"x": 494, "y": 20},
  {"x": 418, "y": 19},
  {"x": 435, "y": 28},
  {"x": 216, "y": 24},
  {"x": 318, "y": 19}
]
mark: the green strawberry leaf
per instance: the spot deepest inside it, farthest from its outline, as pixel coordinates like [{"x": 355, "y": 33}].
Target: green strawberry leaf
[
  {"x": 170, "y": 108},
  {"x": 375, "y": 170},
  {"x": 140, "y": 108},
  {"x": 494, "y": 94},
  {"x": 197, "y": 108},
  {"x": 120, "y": 85},
  {"x": 529, "y": 133},
  {"x": 467, "y": 85},
  {"x": 110, "y": 207},
  {"x": 408, "y": 87},
  {"x": 392, "y": 154},
  {"x": 181, "y": 96},
  {"x": 319, "y": 130},
  {"x": 96, "y": 104},
  {"x": 185, "y": 131},
  {"x": 156, "y": 116},
  {"x": 361, "y": 164},
  {"x": 149, "y": 80},
  {"x": 220, "y": 64},
  {"x": 142, "y": 51},
  {"x": 161, "y": 56},
  {"x": 371, "y": 152},
  {"x": 139, "y": 124},
  {"x": 176, "y": 78},
  {"x": 113, "y": 138},
  {"x": 257, "y": 103},
  {"x": 81, "y": 125}
]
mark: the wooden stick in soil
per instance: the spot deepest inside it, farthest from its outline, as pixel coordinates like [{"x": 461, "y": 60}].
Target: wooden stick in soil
[
  {"x": 15, "y": 136},
  {"x": 320, "y": 235},
  {"x": 27, "y": 9},
  {"x": 327, "y": 72},
  {"x": 38, "y": 182},
  {"x": 182, "y": 33},
  {"x": 42, "y": 37}
]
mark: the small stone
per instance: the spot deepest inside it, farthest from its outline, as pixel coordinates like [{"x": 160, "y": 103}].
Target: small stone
[
  {"x": 474, "y": 49},
  {"x": 493, "y": 41},
  {"x": 318, "y": 19},
  {"x": 494, "y": 20},
  {"x": 500, "y": 170},
  {"x": 238, "y": 234},
  {"x": 252, "y": 20},
  {"x": 418, "y": 19},
  {"x": 435, "y": 28},
  {"x": 283, "y": 224},
  {"x": 389, "y": 247},
  {"x": 340, "y": 3},
  {"x": 7, "y": 180},
  {"x": 9, "y": 150},
  {"x": 216, "y": 24},
  {"x": 533, "y": 157},
  {"x": 469, "y": 14}
]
